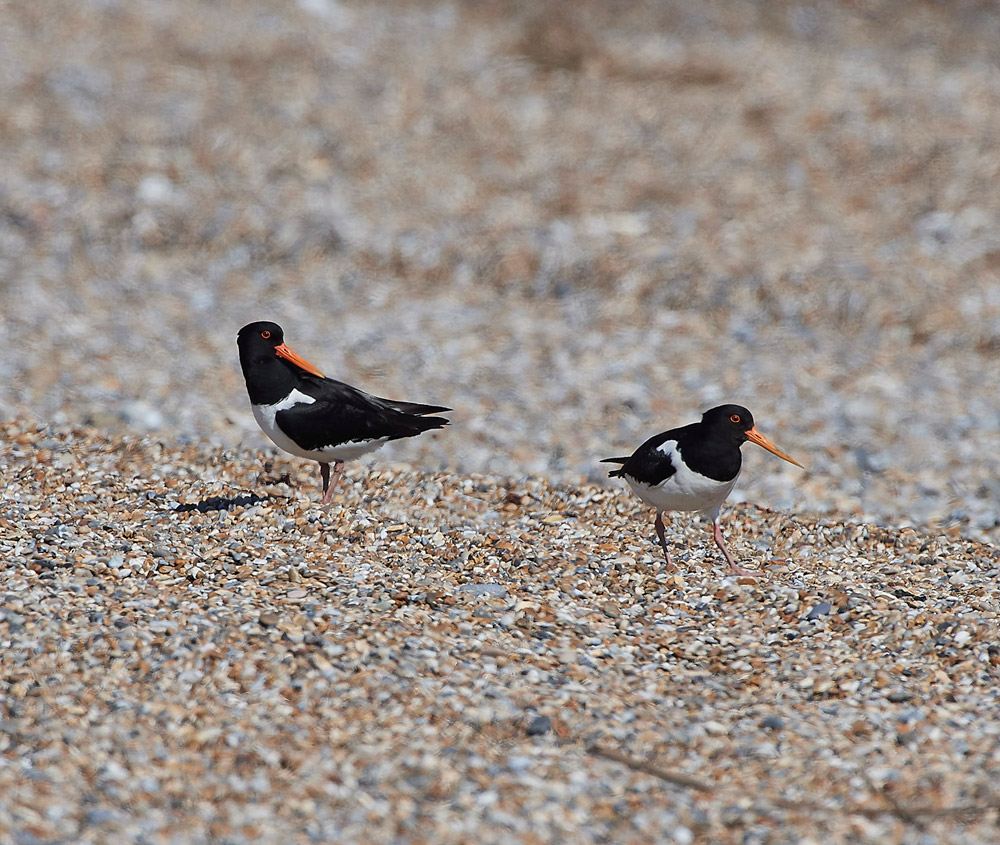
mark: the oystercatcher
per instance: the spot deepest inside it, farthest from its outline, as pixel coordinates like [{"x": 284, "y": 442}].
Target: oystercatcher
[
  {"x": 694, "y": 468},
  {"x": 315, "y": 417}
]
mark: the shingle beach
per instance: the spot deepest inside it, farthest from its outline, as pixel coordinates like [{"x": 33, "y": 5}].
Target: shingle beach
[{"x": 577, "y": 226}]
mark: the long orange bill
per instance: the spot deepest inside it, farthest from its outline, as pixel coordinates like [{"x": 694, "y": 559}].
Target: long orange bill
[
  {"x": 761, "y": 440},
  {"x": 286, "y": 353}
]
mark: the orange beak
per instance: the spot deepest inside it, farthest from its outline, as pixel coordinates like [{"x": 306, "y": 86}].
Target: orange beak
[
  {"x": 761, "y": 440},
  {"x": 286, "y": 353}
]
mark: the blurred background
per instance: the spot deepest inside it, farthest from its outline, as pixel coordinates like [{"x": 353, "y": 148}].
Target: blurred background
[{"x": 575, "y": 223}]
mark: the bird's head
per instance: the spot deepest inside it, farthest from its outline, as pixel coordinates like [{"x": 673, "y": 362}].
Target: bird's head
[
  {"x": 737, "y": 422},
  {"x": 264, "y": 340}
]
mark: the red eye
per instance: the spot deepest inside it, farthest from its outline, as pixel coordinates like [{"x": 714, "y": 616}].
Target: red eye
[
  {"x": 266, "y": 334},
  {"x": 735, "y": 418}
]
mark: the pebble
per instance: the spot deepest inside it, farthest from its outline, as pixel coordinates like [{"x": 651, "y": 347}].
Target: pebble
[
  {"x": 494, "y": 590},
  {"x": 821, "y": 609},
  {"x": 539, "y": 726},
  {"x": 374, "y": 636}
]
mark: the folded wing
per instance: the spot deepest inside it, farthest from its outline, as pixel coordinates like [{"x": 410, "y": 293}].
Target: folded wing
[{"x": 344, "y": 414}]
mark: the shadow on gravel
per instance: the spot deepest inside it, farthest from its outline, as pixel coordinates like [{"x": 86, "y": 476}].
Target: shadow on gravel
[{"x": 223, "y": 503}]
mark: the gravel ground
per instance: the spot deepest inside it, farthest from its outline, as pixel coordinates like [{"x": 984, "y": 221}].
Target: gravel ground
[
  {"x": 576, "y": 225},
  {"x": 461, "y": 659},
  {"x": 577, "y": 230}
]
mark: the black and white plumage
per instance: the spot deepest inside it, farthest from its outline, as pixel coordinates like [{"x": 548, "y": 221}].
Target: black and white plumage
[
  {"x": 694, "y": 468},
  {"x": 314, "y": 417}
]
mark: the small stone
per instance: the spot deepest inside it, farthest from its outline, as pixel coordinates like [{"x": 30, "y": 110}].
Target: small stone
[
  {"x": 683, "y": 835},
  {"x": 495, "y": 590},
  {"x": 539, "y": 725},
  {"x": 95, "y": 816},
  {"x": 823, "y": 685},
  {"x": 15, "y": 620},
  {"x": 821, "y": 609},
  {"x": 113, "y": 770}
]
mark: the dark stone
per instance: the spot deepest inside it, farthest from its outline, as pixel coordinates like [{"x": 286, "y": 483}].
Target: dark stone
[
  {"x": 539, "y": 726},
  {"x": 822, "y": 609}
]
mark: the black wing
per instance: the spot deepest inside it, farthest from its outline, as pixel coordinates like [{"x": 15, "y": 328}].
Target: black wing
[
  {"x": 344, "y": 414},
  {"x": 647, "y": 464}
]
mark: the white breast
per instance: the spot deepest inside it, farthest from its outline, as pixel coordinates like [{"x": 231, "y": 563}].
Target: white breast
[
  {"x": 265, "y": 416},
  {"x": 685, "y": 490}
]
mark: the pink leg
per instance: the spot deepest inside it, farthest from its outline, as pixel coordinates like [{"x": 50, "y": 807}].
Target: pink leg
[
  {"x": 733, "y": 567},
  {"x": 328, "y": 484},
  {"x": 661, "y": 533}
]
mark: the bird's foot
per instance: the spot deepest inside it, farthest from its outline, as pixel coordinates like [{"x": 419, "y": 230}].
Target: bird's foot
[
  {"x": 330, "y": 482},
  {"x": 661, "y": 535},
  {"x": 734, "y": 567}
]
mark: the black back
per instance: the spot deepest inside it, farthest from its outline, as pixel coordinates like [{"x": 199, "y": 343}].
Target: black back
[{"x": 710, "y": 447}]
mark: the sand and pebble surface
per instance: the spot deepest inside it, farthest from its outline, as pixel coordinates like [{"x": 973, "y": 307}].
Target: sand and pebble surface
[{"x": 576, "y": 224}]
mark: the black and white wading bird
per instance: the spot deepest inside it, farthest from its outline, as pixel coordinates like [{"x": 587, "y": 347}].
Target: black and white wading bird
[
  {"x": 314, "y": 417},
  {"x": 694, "y": 468}
]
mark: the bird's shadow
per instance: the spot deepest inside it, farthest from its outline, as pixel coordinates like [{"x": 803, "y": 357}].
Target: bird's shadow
[{"x": 224, "y": 503}]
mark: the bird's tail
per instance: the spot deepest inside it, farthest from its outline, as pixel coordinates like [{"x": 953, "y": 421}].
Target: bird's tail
[
  {"x": 414, "y": 407},
  {"x": 421, "y": 424},
  {"x": 615, "y": 473}
]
